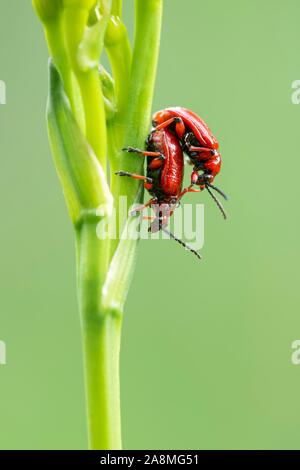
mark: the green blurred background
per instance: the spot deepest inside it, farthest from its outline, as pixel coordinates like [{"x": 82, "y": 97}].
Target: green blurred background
[{"x": 206, "y": 354}]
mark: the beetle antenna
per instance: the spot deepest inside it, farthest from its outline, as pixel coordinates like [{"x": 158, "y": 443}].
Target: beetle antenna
[
  {"x": 182, "y": 243},
  {"x": 218, "y": 191},
  {"x": 217, "y": 202}
]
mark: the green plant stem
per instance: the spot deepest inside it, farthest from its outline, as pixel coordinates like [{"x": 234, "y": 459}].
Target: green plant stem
[
  {"x": 75, "y": 21},
  {"x": 120, "y": 57},
  {"x": 143, "y": 74},
  {"x": 104, "y": 267},
  {"x": 54, "y": 36},
  {"x": 117, "y": 7},
  {"x": 101, "y": 332},
  {"x": 55, "y": 40},
  {"x": 94, "y": 111}
]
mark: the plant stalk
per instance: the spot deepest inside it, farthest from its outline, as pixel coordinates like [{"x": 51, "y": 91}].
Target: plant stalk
[
  {"x": 148, "y": 21},
  {"x": 80, "y": 140},
  {"x": 101, "y": 333}
]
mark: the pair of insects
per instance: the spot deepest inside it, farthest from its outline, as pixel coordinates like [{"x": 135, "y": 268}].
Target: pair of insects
[{"x": 177, "y": 131}]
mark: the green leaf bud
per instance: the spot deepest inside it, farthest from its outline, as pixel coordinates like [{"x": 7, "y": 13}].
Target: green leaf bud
[{"x": 47, "y": 10}]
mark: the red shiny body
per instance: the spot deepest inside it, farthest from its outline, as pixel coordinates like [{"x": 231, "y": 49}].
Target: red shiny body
[
  {"x": 176, "y": 130},
  {"x": 193, "y": 133},
  {"x": 165, "y": 166},
  {"x": 166, "y": 174},
  {"x": 167, "y": 177},
  {"x": 193, "y": 122}
]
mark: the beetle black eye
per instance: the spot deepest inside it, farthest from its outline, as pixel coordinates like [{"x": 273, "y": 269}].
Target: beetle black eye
[{"x": 208, "y": 178}]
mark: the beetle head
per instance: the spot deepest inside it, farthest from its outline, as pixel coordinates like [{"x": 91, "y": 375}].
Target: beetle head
[
  {"x": 204, "y": 181},
  {"x": 201, "y": 180}
]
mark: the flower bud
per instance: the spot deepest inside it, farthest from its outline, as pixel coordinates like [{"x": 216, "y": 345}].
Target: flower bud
[
  {"x": 107, "y": 82},
  {"x": 115, "y": 32},
  {"x": 47, "y": 10}
]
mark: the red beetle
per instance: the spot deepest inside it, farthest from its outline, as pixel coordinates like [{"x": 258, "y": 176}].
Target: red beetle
[
  {"x": 198, "y": 143},
  {"x": 165, "y": 165}
]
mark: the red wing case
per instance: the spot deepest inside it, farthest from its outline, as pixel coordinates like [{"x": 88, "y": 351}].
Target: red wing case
[
  {"x": 201, "y": 131},
  {"x": 172, "y": 173}
]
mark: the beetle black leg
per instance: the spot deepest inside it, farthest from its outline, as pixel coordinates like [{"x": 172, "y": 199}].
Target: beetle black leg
[
  {"x": 200, "y": 153},
  {"x": 135, "y": 176},
  {"x": 143, "y": 152}
]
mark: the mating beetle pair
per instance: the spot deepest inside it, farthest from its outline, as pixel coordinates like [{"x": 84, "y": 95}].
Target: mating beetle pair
[{"x": 177, "y": 131}]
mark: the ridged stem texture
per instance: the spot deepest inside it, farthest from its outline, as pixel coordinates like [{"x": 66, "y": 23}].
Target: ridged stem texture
[{"x": 92, "y": 114}]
